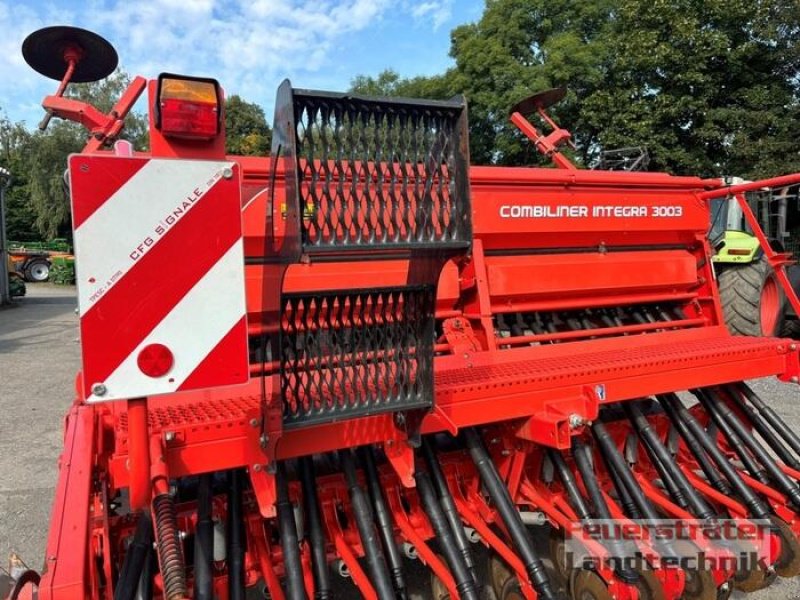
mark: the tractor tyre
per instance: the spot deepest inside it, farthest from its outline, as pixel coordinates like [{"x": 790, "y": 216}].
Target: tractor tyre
[
  {"x": 753, "y": 302},
  {"x": 37, "y": 271},
  {"x": 791, "y": 329}
]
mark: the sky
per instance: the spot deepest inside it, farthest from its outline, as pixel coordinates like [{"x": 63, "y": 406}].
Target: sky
[{"x": 249, "y": 46}]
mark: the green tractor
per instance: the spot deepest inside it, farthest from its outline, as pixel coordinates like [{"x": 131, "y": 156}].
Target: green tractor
[{"x": 752, "y": 299}]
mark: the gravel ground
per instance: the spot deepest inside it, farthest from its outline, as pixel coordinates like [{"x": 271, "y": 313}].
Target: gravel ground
[{"x": 38, "y": 361}]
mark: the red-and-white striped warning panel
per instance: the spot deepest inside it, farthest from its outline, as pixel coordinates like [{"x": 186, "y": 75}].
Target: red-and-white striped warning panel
[{"x": 160, "y": 273}]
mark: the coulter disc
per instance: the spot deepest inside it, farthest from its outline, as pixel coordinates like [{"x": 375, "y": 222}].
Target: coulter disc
[
  {"x": 788, "y": 563},
  {"x": 649, "y": 586},
  {"x": 589, "y": 586}
]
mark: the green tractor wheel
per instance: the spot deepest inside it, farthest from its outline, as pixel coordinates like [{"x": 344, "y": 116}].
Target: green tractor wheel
[{"x": 752, "y": 300}]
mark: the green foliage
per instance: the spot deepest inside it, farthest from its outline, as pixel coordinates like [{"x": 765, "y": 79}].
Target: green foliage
[
  {"x": 62, "y": 271},
  {"x": 14, "y": 145},
  {"x": 16, "y": 285},
  {"x": 37, "y": 201},
  {"x": 47, "y": 161},
  {"x": 246, "y": 128},
  {"x": 389, "y": 83},
  {"x": 709, "y": 86},
  {"x": 103, "y": 95}
]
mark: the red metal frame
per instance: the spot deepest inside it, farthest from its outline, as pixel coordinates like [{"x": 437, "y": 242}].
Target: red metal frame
[
  {"x": 545, "y": 242},
  {"x": 101, "y": 126}
]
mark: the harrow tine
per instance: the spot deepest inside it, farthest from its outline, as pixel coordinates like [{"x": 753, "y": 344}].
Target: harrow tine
[
  {"x": 376, "y": 562},
  {"x": 583, "y": 461},
  {"x": 316, "y": 535},
  {"x": 679, "y": 414},
  {"x": 509, "y": 515},
  {"x": 465, "y": 585},
  {"x": 733, "y": 437},
  {"x": 295, "y": 588},
  {"x": 661, "y": 459},
  {"x": 384, "y": 521},
  {"x": 448, "y": 505},
  {"x": 784, "y": 483},
  {"x": 762, "y": 418},
  {"x": 204, "y": 542}
]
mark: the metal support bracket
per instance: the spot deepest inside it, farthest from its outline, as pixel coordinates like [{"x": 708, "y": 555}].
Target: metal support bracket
[{"x": 555, "y": 425}]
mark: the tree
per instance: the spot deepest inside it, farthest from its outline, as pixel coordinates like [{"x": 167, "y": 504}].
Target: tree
[
  {"x": 44, "y": 156},
  {"x": 389, "y": 83},
  {"x": 46, "y": 163},
  {"x": 518, "y": 47},
  {"x": 246, "y": 128},
  {"x": 20, "y": 217},
  {"x": 38, "y": 203},
  {"x": 711, "y": 87},
  {"x": 103, "y": 95}
]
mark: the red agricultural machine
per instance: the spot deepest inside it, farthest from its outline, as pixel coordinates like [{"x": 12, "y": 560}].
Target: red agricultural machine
[{"x": 381, "y": 358}]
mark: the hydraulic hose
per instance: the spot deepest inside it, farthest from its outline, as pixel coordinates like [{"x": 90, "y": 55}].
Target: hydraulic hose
[
  {"x": 384, "y": 521},
  {"x": 465, "y": 585},
  {"x": 618, "y": 466},
  {"x": 135, "y": 559},
  {"x": 617, "y": 463},
  {"x": 204, "y": 542},
  {"x": 760, "y": 423},
  {"x": 145, "y": 591},
  {"x": 661, "y": 457},
  {"x": 376, "y": 562},
  {"x": 236, "y": 537},
  {"x": 673, "y": 489},
  {"x": 316, "y": 535},
  {"x": 679, "y": 412},
  {"x": 508, "y": 513},
  {"x": 734, "y": 439},
  {"x": 581, "y": 453},
  {"x": 287, "y": 528},
  {"x": 771, "y": 417},
  {"x": 576, "y": 500},
  {"x": 448, "y": 505},
  {"x": 714, "y": 478},
  {"x": 786, "y": 485},
  {"x": 629, "y": 506}
]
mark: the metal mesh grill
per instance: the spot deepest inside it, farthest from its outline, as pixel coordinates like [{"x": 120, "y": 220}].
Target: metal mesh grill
[
  {"x": 354, "y": 353},
  {"x": 382, "y": 173}
]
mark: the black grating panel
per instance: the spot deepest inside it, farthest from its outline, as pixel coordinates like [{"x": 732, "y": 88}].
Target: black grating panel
[
  {"x": 357, "y": 352},
  {"x": 365, "y": 179},
  {"x": 380, "y": 173}
]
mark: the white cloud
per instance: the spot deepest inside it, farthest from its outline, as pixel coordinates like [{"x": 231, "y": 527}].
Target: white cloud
[
  {"x": 435, "y": 12},
  {"x": 248, "y": 45}
]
